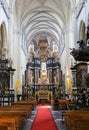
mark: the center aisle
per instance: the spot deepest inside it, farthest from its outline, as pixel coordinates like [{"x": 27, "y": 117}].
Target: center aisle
[{"x": 44, "y": 119}]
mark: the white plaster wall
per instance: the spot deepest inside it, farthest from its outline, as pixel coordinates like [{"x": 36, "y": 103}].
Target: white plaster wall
[
  {"x": 63, "y": 61},
  {"x": 18, "y": 54},
  {"x": 23, "y": 62},
  {"x": 70, "y": 42}
]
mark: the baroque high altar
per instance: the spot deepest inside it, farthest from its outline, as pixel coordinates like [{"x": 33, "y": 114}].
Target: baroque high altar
[
  {"x": 43, "y": 70},
  {"x": 43, "y": 92}
]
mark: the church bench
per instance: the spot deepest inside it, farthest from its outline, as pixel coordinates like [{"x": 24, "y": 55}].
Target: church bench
[
  {"x": 76, "y": 122},
  {"x": 16, "y": 106},
  {"x": 19, "y": 113},
  {"x": 72, "y": 105},
  {"x": 14, "y": 113},
  {"x": 19, "y": 121},
  {"x": 18, "y": 116},
  {"x": 25, "y": 109},
  {"x": 72, "y": 117},
  {"x": 26, "y": 102},
  {"x": 82, "y": 124},
  {"x": 8, "y": 124},
  {"x": 4, "y": 127},
  {"x": 62, "y": 104}
]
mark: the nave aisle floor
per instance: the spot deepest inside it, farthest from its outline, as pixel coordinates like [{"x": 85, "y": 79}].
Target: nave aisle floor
[{"x": 57, "y": 117}]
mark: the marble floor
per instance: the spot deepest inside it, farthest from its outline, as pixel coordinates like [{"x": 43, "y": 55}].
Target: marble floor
[{"x": 57, "y": 114}]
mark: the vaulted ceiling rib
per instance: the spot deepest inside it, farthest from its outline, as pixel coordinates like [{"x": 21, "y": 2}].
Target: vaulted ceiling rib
[
  {"x": 43, "y": 16},
  {"x": 42, "y": 20}
]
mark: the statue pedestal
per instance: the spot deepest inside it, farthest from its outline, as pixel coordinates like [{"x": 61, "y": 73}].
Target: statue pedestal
[{"x": 81, "y": 71}]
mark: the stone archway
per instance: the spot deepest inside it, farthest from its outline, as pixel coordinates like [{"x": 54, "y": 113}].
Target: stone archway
[
  {"x": 3, "y": 39},
  {"x": 88, "y": 18},
  {"x": 82, "y": 31}
]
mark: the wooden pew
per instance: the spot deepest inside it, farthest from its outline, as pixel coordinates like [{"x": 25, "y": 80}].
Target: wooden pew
[
  {"x": 13, "y": 117},
  {"x": 3, "y": 127},
  {"x": 9, "y": 124},
  {"x": 63, "y": 104},
  {"x": 26, "y": 110},
  {"x": 16, "y": 113},
  {"x": 26, "y": 102},
  {"x": 19, "y": 120},
  {"x": 73, "y": 118},
  {"x": 82, "y": 124}
]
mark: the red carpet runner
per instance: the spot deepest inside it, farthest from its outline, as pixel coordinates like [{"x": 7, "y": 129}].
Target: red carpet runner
[{"x": 44, "y": 119}]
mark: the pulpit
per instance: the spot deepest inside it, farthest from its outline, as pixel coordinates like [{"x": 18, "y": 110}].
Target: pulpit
[{"x": 81, "y": 71}]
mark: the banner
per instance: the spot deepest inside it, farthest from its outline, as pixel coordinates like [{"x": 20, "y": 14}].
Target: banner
[{"x": 18, "y": 87}]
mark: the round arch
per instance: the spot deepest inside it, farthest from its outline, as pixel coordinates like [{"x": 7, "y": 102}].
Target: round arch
[
  {"x": 3, "y": 39},
  {"x": 82, "y": 31}
]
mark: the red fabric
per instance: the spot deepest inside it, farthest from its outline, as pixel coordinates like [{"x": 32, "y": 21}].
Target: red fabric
[{"x": 44, "y": 119}]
